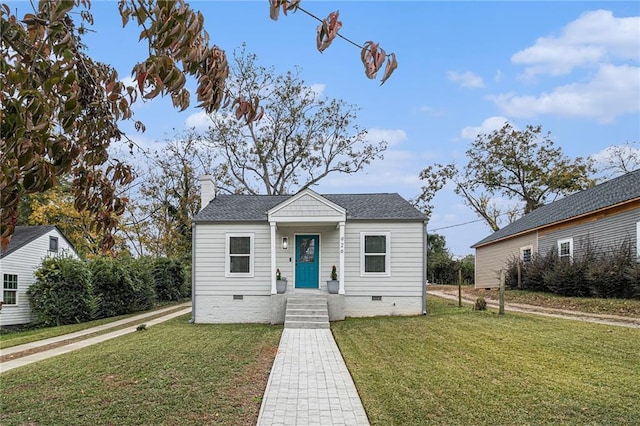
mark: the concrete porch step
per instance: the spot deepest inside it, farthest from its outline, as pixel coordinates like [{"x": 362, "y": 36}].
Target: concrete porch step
[
  {"x": 314, "y": 311},
  {"x": 303, "y": 317},
  {"x": 307, "y": 311},
  {"x": 306, "y": 324}
]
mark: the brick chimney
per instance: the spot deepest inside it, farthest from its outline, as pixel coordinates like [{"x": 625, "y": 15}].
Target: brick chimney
[{"x": 207, "y": 190}]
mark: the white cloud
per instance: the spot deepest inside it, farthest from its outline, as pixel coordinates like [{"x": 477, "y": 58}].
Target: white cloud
[
  {"x": 487, "y": 126},
  {"x": 318, "y": 89},
  {"x": 199, "y": 121},
  {"x": 593, "y": 38},
  {"x": 498, "y": 76},
  {"x": 613, "y": 91},
  {"x": 465, "y": 79},
  {"x": 392, "y": 137}
]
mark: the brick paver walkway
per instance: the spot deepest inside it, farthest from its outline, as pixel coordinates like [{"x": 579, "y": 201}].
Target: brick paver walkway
[{"x": 309, "y": 383}]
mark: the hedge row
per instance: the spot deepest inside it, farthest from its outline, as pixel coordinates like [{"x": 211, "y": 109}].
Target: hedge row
[
  {"x": 606, "y": 274},
  {"x": 69, "y": 291}
]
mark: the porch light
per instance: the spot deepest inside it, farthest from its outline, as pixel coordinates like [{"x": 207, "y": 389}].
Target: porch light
[{"x": 285, "y": 243}]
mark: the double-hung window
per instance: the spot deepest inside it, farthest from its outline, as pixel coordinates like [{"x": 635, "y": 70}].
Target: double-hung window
[
  {"x": 375, "y": 253},
  {"x": 239, "y": 255},
  {"x": 53, "y": 244},
  {"x": 565, "y": 249},
  {"x": 526, "y": 254},
  {"x": 10, "y": 289}
]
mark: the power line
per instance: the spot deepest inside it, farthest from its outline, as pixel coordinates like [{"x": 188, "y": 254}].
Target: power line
[{"x": 456, "y": 225}]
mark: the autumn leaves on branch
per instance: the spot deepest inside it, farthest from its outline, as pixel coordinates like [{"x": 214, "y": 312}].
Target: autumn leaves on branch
[
  {"x": 371, "y": 54},
  {"x": 60, "y": 109}
]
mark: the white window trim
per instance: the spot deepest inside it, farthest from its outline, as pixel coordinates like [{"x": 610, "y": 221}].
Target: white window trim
[
  {"x": 387, "y": 259},
  {"x": 227, "y": 256},
  {"x": 522, "y": 250},
  {"x": 57, "y": 240},
  {"x": 11, "y": 289},
  {"x": 566, "y": 240}
]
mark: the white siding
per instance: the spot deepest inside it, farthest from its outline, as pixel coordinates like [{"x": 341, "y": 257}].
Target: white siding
[
  {"x": 210, "y": 257},
  {"x": 407, "y": 260},
  {"x": 23, "y": 262},
  {"x": 401, "y": 291},
  {"x": 307, "y": 206}
]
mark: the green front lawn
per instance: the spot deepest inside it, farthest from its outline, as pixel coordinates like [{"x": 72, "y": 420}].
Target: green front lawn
[
  {"x": 452, "y": 367},
  {"x": 460, "y": 367},
  {"x": 9, "y": 338},
  {"x": 174, "y": 373}
]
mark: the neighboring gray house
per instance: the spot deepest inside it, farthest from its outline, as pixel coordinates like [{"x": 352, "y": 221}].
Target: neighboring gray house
[
  {"x": 605, "y": 215},
  {"x": 28, "y": 247},
  {"x": 375, "y": 241}
]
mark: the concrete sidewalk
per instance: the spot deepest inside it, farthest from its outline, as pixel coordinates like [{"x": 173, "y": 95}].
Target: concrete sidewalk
[
  {"x": 64, "y": 348},
  {"x": 309, "y": 383}
]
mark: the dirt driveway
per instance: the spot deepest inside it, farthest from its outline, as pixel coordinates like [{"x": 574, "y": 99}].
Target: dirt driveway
[{"x": 549, "y": 312}]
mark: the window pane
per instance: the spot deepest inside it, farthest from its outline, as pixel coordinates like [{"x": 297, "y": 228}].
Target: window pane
[
  {"x": 526, "y": 255},
  {"x": 375, "y": 244},
  {"x": 240, "y": 245},
  {"x": 374, "y": 263},
  {"x": 10, "y": 281},
  {"x": 53, "y": 244},
  {"x": 307, "y": 250},
  {"x": 564, "y": 249},
  {"x": 9, "y": 297},
  {"x": 239, "y": 264}
]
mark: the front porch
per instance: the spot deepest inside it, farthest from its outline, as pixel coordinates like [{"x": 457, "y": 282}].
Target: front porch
[
  {"x": 307, "y": 309},
  {"x": 307, "y": 239}
]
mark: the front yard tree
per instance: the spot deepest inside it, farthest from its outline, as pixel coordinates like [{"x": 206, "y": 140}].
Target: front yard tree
[
  {"x": 60, "y": 110},
  {"x": 301, "y": 138},
  {"x": 158, "y": 221},
  {"x": 521, "y": 165}
]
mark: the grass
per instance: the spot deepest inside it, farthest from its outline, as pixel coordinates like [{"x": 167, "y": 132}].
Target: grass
[
  {"x": 174, "y": 373},
  {"x": 9, "y": 338},
  {"x": 460, "y": 367},
  {"x": 622, "y": 307}
]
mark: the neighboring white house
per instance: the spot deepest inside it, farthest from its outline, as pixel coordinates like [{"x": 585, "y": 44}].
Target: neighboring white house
[
  {"x": 28, "y": 247},
  {"x": 603, "y": 217},
  {"x": 375, "y": 241}
]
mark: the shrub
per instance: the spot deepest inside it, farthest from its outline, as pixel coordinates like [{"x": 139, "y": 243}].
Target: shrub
[
  {"x": 531, "y": 273},
  {"x": 62, "y": 293},
  {"x": 480, "y": 305},
  {"x": 607, "y": 274},
  {"x": 113, "y": 285},
  {"x": 169, "y": 279},
  {"x": 568, "y": 278},
  {"x": 144, "y": 286}
]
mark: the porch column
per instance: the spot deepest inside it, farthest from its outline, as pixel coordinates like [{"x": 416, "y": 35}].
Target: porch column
[
  {"x": 341, "y": 277},
  {"x": 273, "y": 257}
]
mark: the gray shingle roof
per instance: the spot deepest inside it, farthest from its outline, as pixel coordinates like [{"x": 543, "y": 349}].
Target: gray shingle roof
[
  {"x": 233, "y": 208},
  {"x": 610, "y": 193},
  {"x": 23, "y": 235}
]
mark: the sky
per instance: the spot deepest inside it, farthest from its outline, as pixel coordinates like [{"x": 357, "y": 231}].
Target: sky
[{"x": 464, "y": 68}]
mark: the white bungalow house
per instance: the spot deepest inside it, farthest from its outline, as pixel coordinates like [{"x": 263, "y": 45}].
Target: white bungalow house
[
  {"x": 28, "y": 247},
  {"x": 240, "y": 242}
]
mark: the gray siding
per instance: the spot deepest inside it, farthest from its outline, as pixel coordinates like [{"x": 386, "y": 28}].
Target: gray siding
[
  {"x": 23, "y": 262},
  {"x": 605, "y": 233},
  {"x": 490, "y": 259}
]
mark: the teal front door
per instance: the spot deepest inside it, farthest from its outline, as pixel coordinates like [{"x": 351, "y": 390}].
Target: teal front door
[{"x": 307, "y": 251}]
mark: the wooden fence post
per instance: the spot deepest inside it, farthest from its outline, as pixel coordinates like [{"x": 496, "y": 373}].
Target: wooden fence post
[
  {"x": 459, "y": 288},
  {"x": 502, "y": 278}
]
